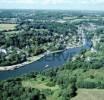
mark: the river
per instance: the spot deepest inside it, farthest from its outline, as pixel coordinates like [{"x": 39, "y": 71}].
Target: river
[{"x": 49, "y": 61}]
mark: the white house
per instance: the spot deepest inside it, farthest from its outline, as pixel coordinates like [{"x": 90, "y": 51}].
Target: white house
[{"x": 3, "y": 51}]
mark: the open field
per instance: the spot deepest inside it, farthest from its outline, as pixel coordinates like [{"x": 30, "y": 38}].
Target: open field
[
  {"x": 39, "y": 84},
  {"x": 7, "y": 26},
  {"x": 90, "y": 94},
  {"x": 42, "y": 85}
]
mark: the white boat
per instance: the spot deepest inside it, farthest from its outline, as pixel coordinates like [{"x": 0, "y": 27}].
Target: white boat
[{"x": 46, "y": 66}]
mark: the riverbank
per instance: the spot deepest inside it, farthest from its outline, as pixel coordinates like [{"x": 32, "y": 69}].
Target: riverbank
[
  {"x": 32, "y": 59},
  {"x": 29, "y": 60}
]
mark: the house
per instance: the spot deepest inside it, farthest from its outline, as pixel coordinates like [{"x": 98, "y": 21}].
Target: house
[{"x": 3, "y": 51}]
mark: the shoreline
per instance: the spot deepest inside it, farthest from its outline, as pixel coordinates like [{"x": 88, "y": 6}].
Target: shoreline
[
  {"x": 32, "y": 59},
  {"x": 29, "y": 61}
]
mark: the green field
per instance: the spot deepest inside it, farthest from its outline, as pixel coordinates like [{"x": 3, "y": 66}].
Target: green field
[
  {"x": 7, "y": 27},
  {"x": 43, "y": 85},
  {"x": 86, "y": 94},
  {"x": 90, "y": 94},
  {"x": 39, "y": 85}
]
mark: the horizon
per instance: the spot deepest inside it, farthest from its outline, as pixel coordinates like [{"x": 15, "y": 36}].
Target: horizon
[{"x": 53, "y": 9}]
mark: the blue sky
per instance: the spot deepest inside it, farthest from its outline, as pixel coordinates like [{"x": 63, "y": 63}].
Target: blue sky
[{"x": 53, "y": 4}]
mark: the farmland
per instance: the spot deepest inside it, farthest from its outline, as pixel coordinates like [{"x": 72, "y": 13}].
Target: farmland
[
  {"x": 7, "y": 27},
  {"x": 90, "y": 94}
]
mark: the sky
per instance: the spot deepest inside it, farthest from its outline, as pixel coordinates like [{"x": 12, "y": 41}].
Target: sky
[{"x": 53, "y": 4}]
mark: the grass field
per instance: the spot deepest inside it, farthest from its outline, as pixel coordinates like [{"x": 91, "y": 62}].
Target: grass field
[
  {"x": 42, "y": 85},
  {"x": 7, "y": 26},
  {"x": 39, "y": 84},
  {"x": 90, "y": 94}
]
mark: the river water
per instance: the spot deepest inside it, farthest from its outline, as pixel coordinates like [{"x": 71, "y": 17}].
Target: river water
[{"x": 49, "y": 61}]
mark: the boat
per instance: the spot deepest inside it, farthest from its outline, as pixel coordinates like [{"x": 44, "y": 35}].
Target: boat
[{"x": 46, "y": 66}]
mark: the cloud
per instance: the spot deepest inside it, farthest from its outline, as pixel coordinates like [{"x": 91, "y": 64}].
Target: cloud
[
  {"x": 17, "y": 1},
  {"x": 44, "y": 2},
  {"x": 64, "y": 4},
  {"x": 53, "y": 2}
]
